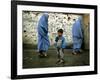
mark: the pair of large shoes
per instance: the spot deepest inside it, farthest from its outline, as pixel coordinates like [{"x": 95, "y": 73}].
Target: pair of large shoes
[
  {"x": 76, "y": 52},
  {"x": 60, "y": 62},
  {"x": 42, "y": 55}
]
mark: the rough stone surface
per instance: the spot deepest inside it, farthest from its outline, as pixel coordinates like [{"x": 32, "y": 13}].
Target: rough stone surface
[{"x": 55, "y": 22}]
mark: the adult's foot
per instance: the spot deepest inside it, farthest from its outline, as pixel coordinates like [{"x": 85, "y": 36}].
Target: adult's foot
[
  {"x": 41, "y": 55},
  {"x": 74, "y": 53},
  {"x": 45, "y": 54}
]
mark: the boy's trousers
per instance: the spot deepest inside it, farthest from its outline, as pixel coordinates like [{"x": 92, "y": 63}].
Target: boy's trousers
[{"x": 60, "y": 53}]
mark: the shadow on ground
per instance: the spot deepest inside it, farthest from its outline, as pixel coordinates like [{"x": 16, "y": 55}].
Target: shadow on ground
[{"x": 31, "y": 59}]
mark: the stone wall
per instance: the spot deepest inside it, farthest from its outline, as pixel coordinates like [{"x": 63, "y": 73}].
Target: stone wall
[
  {"x": 55, "y": 22},
  {"x": 86, "y": 28}
]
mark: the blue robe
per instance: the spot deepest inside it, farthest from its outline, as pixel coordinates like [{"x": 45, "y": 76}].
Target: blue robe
[
  {"x": 43, "y": 39},
  {"x": 77, "y": 34}
]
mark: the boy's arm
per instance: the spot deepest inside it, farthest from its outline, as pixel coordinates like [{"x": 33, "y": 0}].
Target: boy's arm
[
  {"x": 55, "y": 44},
  {"x": 56, "y": 39},
  {"x": 63, "y": 43}
]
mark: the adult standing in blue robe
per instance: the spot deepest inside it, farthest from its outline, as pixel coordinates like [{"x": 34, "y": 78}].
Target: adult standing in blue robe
[
  {"x": 43, "y": 39},
  {"x": 77, "y": 34}
]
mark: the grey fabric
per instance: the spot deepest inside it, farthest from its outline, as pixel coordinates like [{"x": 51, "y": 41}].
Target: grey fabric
[{"x": 60, "y": 53}]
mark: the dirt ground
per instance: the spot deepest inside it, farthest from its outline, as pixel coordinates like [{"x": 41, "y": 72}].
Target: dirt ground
[{"x": 31, "y": 59}]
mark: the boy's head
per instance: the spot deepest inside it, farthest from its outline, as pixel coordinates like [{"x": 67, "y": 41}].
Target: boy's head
[{"x": 60, "y": 32}]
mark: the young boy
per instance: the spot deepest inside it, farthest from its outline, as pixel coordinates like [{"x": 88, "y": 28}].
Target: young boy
[{"x": 60, "y": 45}]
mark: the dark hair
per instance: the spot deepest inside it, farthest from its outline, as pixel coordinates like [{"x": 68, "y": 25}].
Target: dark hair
[
  {"x": 69, "y": 18},
  {"x": 60, "y": 30}
]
